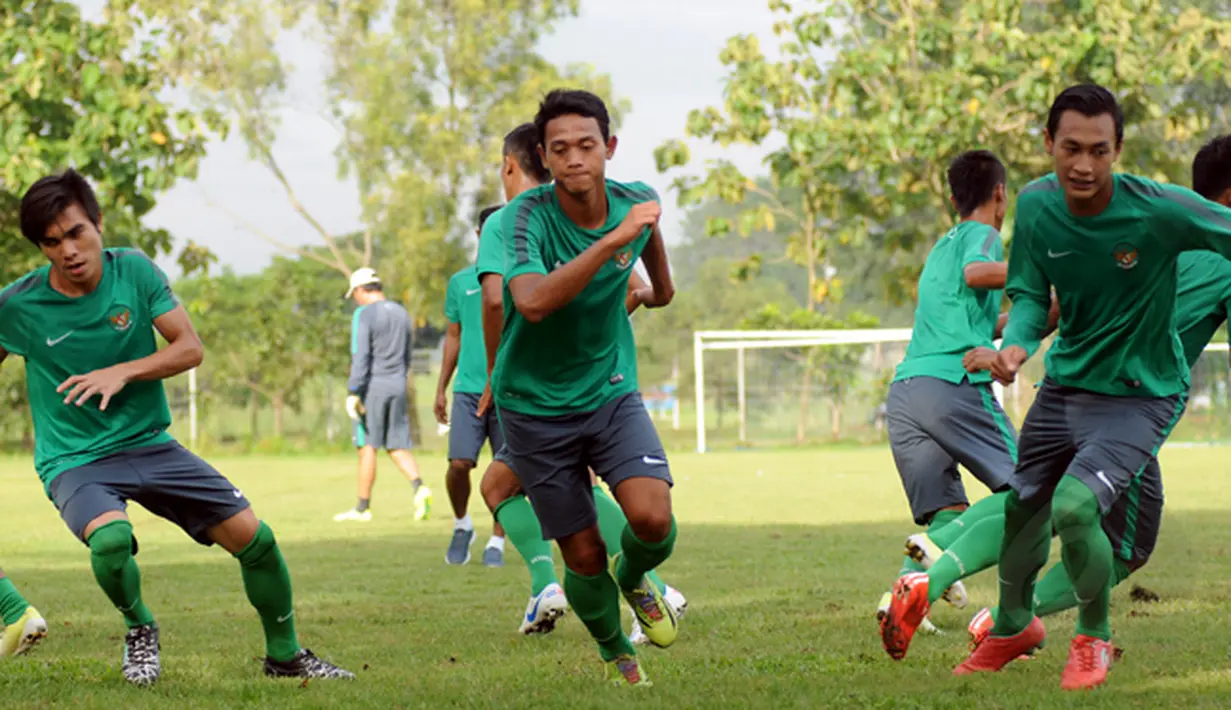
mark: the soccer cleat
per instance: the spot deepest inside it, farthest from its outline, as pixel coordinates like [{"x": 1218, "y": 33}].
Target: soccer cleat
[
  {"x": 1089, "y": 662},
  {"x": 423, "y": 503},
  {"x": 907, "y": 610},
  {"x": 354, "y": 515},
  {"x": 305, "y": 664},
  {"x": 544, "y": 609},
  {"x": 21, "y": 635},
  {"x": 627, "y": 669},
  {"x": 678, "y": 603},
  {"x": 996, "y": 652},
  {"x": 142, "y": 665},
  {"x": 980, "y": 627},
  {"x": 882, "y": 607},
  {"x": 921, "y": 549},
  {"x": 493, "y": 557},
  {"x": 657, "y": 618},
  {"x": 459, "y": 547}
]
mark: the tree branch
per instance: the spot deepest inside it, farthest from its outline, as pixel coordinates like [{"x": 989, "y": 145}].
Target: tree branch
[{"x": 299, "y": 251}]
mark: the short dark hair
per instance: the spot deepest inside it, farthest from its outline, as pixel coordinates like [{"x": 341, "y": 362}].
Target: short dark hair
[
  {"x": 49, "y": 197},
  {"x": 565, "y": 102},
  {"x": 1212, "y": 168},
  {"x": 523, "y": 144},
  {"x": 973, "y": 177},
  {"x": 487, "y": 212},
  {"x": 1089, "y": 100}
]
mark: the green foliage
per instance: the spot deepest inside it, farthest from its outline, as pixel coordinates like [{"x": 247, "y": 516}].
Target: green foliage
[{"x": 85, "y": 95}]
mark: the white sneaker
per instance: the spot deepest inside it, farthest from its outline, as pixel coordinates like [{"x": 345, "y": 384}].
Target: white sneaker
[
  {"x": 544, "y": 609},
  {"x": 678, "y": 604},
  {"x": 353, "y": 514}
]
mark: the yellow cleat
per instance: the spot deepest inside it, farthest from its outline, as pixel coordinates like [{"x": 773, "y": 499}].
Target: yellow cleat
[
  {"x": 423, "y": 503},
  {"x": 655, "y": 615},
  {"x": 21, "y": 635},
  {"x": 627, "y": 670}
]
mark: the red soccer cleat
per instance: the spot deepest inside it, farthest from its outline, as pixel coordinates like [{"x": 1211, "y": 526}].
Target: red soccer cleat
[
  {"x": 907, "y": 610},
  {"x": 1089, "y": 662},
  {"x": 980, "y": 627},
  {"x": 996, "y": 652}
]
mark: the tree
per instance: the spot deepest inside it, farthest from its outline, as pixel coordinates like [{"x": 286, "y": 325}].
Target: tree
[
  {"x": 85, "y": 95},
  {"x": 868, "y": 131}
]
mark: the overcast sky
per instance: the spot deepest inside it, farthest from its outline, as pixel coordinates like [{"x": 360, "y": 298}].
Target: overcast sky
[{"x": 661, "y": 54}]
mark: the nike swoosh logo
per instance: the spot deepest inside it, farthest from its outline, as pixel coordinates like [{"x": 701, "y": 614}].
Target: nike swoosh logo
[
  {"x": 650, "y": 460},
  {"x": 52, "y": 343},
  {"x": 1058, "y": 254},
  {"x": 534, "y": 610},
  {"x": 282, "y": 619},
  {"x": 237, "y": 494},
  {"x": 471, "y": 293}
]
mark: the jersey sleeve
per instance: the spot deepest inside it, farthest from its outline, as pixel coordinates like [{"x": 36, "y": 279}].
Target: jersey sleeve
[
  {"x": 12, "y": 333},
  {"x": 491, "y": 246},
  {"x": 453, "y": 310},
  {"x": 1029, "y": 291},
  {"x": 523, "y": 253},
  {"x": 982, "y": 245},
  {"x": 1195, "y": 222},
  {"x": 153, "y": 285}
]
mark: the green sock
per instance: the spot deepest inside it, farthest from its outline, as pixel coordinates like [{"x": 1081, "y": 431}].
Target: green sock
[
  {"x": 268, "y": 584},
  {"x": 1023, "y": 552},
  {"x": 639, "y": 558},
  {"x": 12, "y": 604},
  {"x": 611, "y": 524},
  {"x": 1086, "y": 553},
  {"x": 111, "y": 557},
  {"x": 951, "y": 532},
  {"x": 596, "y": 601},
  {"x": 1054, "y": 593},
  {"x": 521, "y": 527},
  {"x": 973, "y": 552},
  {"x": 940, "y": 520}
]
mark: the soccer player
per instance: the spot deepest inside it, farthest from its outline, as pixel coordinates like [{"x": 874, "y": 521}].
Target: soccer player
[
  {"x": 1203, "y": 300},
  {"x": 522, "y": 170},
  {"x": 23, "y": 625},
  {"x": 376, "y": 401},
  {"x": 565, "y": 382},
  {"x": 85, "y": 326},
  {"x": 1116, "y": 377},
  {"x": 939, "y": 415},
  {"x": 463, "y": 352}
]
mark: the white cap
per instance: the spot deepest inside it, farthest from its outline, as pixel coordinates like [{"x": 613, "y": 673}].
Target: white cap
[{"x": 362, "y": 277}]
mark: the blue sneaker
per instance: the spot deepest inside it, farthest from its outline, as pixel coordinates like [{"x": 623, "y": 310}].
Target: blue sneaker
[
  {"x": 459, "y": 547},
  {"x": 493, "y": 557}
]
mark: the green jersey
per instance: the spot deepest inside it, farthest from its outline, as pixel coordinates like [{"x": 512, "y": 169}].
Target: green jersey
[
  {"x": 59, "y": 337},
  {"x": 491, "y": 246},
  {"x": 1115, "y": 278},
  {"x": 464, "y": 306},
  {"x": 1201, "y": 300},
  {"x": 582, "y": 356},
  {"x": 952, "y": 318}
]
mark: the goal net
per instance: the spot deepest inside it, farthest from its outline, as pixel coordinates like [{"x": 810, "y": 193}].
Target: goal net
[{"x": 785, "y": 388}]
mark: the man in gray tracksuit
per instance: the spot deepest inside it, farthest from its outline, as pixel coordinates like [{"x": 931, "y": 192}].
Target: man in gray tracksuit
[{"x": 381, "y": 345}]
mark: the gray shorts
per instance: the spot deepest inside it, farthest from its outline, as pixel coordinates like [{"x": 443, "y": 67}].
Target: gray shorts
[
  {"x": 468, "y": 432},
  {"x": 934, "y": 425},
  {"x": 1133, "y": 523},
  {"x": 1106, "y": 442},
  {"x": 386, "y": 420},
  {"x": 552, "y": 457},
  {"x": 167, "y": 480}
]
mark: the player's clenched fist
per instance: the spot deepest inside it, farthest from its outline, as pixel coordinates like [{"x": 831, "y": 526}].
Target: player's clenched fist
[
  {"x": 642, "y": 215},
  {"x": 1007, "y": 363}
]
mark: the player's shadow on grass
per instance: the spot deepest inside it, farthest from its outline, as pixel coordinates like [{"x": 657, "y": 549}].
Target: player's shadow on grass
[{"x": 776, "y": 601}]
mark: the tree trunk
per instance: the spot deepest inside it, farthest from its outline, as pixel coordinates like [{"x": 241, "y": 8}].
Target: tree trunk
[
  {"x": 809, "y": 238},
  {"x": 835, "y": 418},
  {"x": 254, "y": 415},
  {"x": 801, "y": 428},
  {"x": 279, "y": 404}
]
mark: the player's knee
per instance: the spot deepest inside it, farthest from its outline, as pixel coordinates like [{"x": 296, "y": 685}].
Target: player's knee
[
  {"x": 498, "y": 485},
  {"x": 588, "y": 559},
  {"x": 1073, "y": 505},
  {"x": 111, "y": 545},
  {"x": 262, "y": 544},
  {"x": 460, "y": 468},
  {"x": 651, "y": 524}
]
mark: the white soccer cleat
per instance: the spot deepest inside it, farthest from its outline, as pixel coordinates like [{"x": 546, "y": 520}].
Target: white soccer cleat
[
  {"x": 678, "y": 604},
  {"x": 354, "y": 515},
  {"x": 544, "y": 609},
  {"x": 921, "y": 549}
]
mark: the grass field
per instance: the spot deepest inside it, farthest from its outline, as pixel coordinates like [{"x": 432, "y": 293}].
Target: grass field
[{"x": 781, "y": 554}]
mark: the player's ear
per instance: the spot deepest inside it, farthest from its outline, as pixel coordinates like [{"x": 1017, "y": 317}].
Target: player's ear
[
  {"x": 100, "y": 224},
  {"x": 1002, "y": 193},
  {"x": 507, "y": 168},
  {"x": 953, "y": 201},
  {"x": 1048, "y": 143},
  {"x": 543, "y": 155},
  {"x": 1225, "y": 198},
  {"x": 611, "y": 146}
]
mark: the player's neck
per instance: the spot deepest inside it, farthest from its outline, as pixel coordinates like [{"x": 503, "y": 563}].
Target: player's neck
[
  {"x": 587, "y": 210},
  {"x": 524, "y": 185},
  {"x": 984, "y": 214},
  {"x": 1094, "y": 206},
  {"x": 63, "y": 286}
]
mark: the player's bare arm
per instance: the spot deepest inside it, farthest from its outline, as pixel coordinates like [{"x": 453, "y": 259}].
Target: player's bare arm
[
  {"x": 493, "y": 315},
  {"x": 537, "y": 296},
  {"x": 183, "y": 352},
  {"x": 448, "y": 364},
  {"x": 3, "y": 354},
  {"x": 632, "y": 299},
  {"x": 986, "y": 275},
  {"x": 654, "y": 256}
]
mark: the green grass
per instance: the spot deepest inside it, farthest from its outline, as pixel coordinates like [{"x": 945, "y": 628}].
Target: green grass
[{"x": 781, "y": 554}]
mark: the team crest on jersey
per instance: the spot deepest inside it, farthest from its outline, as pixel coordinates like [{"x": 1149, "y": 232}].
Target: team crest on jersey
[
  {"x": 1126, "y": 255},
  {"x": 624, "y": 259},
  {"x": 120, "y": 318}
]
